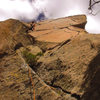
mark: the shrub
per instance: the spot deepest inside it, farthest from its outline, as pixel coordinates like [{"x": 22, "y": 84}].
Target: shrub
[
  {"x": 29, "y": 58},
  {"x": 40, "y": 54}
]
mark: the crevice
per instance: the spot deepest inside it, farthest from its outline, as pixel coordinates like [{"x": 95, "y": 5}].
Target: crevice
[
  {"x": 62, "y": 27},
  {"x": 76, "y": 96},
  {"x": 60, "y": 44},
  {"x": 17, "y": 46},
  {"x": 72, "y": 30},
  {"x": 65, "y": 42},
  {"x": 82, "y": 25},
  {"x": 54, "y": 47},
  {"x": 31, "y": 38},
  {"x": 68, "y": 28},
  {"x": 3, "y": 54}
]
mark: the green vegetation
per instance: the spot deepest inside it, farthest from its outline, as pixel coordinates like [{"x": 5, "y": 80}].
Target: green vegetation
[
  {"x": 40, "y": 54},
  {"x": 30, "y": 58}
]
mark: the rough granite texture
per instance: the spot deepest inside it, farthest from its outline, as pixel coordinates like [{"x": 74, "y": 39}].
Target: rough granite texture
[{"x": 67, "y": 63}]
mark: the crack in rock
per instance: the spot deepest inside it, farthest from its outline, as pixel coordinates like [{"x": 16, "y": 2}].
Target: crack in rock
[{"x": 76, "y": 96}]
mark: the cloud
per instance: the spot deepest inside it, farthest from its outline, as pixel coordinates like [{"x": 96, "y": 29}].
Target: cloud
[
  {"x": 17, "y": 9},
  {"x": 41, "y": 16},
  {"x": 29, "y": 10},
  {"x": 93, "y": 26}
]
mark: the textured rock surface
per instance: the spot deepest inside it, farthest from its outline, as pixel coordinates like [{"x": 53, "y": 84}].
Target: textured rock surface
[
  {"x": 79, "y": 20},
  {"x": 13, "y": 36},
  {"x": 59, "y": 30},
  {"x": 69, "y": 69},
  {"x": 32, "y": 49},
  {"x": 74, "y": 67},
  {"x": 15, "y": 82}
]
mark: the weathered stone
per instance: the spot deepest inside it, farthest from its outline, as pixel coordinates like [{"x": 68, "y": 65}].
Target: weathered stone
[
  {"x": 15, "y": 82},
  {"x": 74, "y": 67},
  {"x": 62, "y": 23},
  {"x": 13, "y": 36},
  {"x": 69, "y": 69},
  {"x": 30, "y": 48},
  {"x": 53, "y": 32}
]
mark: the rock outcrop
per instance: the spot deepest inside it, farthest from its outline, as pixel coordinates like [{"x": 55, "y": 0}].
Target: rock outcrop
[
  {"x": 13, "y": 36},
  {"x": 73, "y": 68},
  {"x": 59, "y": 60},
  {"x": 53, "y": 32}
]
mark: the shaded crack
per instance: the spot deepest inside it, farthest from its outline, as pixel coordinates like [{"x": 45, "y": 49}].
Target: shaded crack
[
  {"x": 65, "y": 42},
  {"x": 54, "y": 47},
  {"x": 77, "y": 25},
  {"x": 63, "y": 27},
  {"x": 3, "y": 54},
  {"x": 60, "y": 44},
  {"x": 72, "y": 30},
  {"x": 51, "y": 84},
  {"x": 76, "y": 96},
  {"x": 81, "y": 25}
]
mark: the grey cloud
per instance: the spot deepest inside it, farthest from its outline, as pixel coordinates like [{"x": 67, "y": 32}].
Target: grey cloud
[{"x": 51, "y": 9}]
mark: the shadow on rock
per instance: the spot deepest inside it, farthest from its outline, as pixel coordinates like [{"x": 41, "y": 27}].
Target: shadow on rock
[{"x": 92, "y": 80}]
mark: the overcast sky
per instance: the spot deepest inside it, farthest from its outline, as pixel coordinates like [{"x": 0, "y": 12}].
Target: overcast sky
[{"x": 31, "y": 9}]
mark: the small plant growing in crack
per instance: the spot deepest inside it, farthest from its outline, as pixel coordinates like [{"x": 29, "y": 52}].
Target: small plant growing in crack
[
  {"x": 40, "y": 54},
  {"x": 30, "y": 58}
]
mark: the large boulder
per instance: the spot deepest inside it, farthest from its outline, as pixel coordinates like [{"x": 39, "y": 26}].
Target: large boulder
[
  {"x": 78, "y": 20},
  {"x": 67, "y": 69},
  {"x": 53, "y": 32},
  {"x": 13, "y": 35}
]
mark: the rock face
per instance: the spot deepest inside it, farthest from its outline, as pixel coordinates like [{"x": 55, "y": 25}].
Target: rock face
[
  {"x": 57, "y": 31},
  {"x": 15, "y": 82},
  {"x": 67, "y": 61},
  {"x": 13, "y": 36},
  {"x": 74, "y": 67}
]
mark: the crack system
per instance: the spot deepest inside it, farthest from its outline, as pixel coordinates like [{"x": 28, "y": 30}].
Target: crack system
[{"x": 76, "y": 96}]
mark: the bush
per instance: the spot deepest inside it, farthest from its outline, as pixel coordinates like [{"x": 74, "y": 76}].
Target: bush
[
  {"x": 29, "y": 58},
  {"x": 40, "y": 54}
]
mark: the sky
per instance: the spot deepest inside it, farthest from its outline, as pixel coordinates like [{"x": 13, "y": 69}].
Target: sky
[{"x": 28, "y": 10}]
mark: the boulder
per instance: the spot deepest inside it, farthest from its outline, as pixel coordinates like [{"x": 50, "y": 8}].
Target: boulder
[
  {"x": 54, "y": 32},
  {"x": 13, "y": 35}
]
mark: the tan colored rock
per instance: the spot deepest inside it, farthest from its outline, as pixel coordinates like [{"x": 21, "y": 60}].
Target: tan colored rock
[
  {"x": 69, "y": 69},
  {"x": 62, "y": 23},
  {"x": 15, "y": 82},
  {"x": 30, "y": 48},
  {"x": 74, "y": 67},
  {"x": 56, "y": 36},
  {"x": 13, "y": 35},
  {"x": 59, "y": 30},
  {"x": 34, "y": 49}
]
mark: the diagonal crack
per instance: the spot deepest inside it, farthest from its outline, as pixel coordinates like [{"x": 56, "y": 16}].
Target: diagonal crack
[{"x": 76, "y": 96}]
